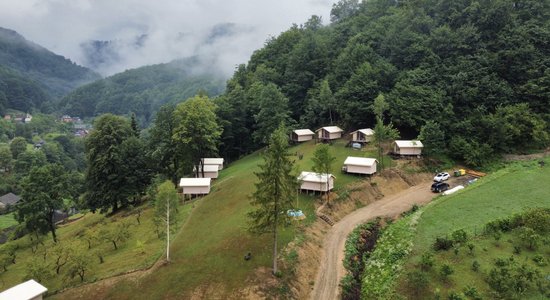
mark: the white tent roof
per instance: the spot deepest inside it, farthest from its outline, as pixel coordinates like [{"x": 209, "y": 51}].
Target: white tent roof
[
  {"x": 303, "y": 132},
  {"x": 24, "y": 291},
  {"x": 313, "y": 177},
  {"x": 213, "y": 161},
  {"x": 359, "y": 161},
  {"x": 208, "y": 168},
  {"x": 331, "y": 129},
  {"x": 187, "y": 182},
  {"x": 409, "y": 144},
  {"x": 366, "y": 131}
]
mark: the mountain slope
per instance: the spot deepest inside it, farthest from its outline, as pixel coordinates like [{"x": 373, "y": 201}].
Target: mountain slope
[
  {"x": 142, "y": 90},
  {"x": 56, "y": 74},
  {"x": 473, "y": 74}
]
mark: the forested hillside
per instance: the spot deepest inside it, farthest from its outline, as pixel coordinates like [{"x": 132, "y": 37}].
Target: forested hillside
[
  {"x": 18, "y": 92},
  {"x": 471, "y": 77},
  {"x": 142, "y": 91},
  {"x": 52, "y": 73}
]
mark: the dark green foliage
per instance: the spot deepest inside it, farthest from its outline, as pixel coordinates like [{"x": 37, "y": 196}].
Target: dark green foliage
[
  {"x": 445, "y": 271},
  {"x": 118, "y": 167},
  {"x": 469, "y": 76},
  {"x": 442, "y": 243},
  {"x": 275, "y": 189},
  {"x": 141, "y": 91},
  {"x": 427, "y": 261},
  {"x": 31, "y": 75},
  {"x": 511, "y": 280},
  {"x": 459, "y": 236},
  {"x": 360, "y": 242},
  {"x": 43, "y": 192}
]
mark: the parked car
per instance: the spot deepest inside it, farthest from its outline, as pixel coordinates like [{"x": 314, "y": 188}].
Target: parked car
[
  {"x": 441, "y": 177},
  {"x": 438, "y": 187}
]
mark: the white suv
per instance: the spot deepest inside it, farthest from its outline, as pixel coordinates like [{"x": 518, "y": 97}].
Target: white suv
[{"x": 441, "y": 177}]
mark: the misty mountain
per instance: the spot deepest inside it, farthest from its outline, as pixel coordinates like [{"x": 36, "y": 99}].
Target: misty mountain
[
  {"x": 142, "y": 90},
  {"x": 101, "y": 54},
  {"x": 53, "y": 74}
]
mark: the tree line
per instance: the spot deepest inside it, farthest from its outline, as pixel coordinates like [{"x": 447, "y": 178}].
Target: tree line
[{"x": 468, "y": 77}]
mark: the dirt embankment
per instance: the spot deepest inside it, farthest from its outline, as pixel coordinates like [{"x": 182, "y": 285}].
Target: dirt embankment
[{"x": 311, "y": 250}]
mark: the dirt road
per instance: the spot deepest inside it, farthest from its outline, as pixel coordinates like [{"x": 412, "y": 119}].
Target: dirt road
[{"x": 331, "y": 269}]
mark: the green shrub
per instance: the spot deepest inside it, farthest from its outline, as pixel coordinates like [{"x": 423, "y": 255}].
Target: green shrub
[
  {"x": 442, "y": 243},
  {"x": 459, "y": 236},
  {"x": 426, "y": 261},
  {"x": 417, "y": 281},
  {"x": 475, "y": 266},
  {"x": 445, "y": 271}
]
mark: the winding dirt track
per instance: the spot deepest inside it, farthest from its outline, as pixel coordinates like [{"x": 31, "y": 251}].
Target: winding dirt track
[{"x": 331, "y": 269}]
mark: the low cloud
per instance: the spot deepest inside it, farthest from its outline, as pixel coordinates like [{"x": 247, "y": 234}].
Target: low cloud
[{"x": 223, "y": 34}]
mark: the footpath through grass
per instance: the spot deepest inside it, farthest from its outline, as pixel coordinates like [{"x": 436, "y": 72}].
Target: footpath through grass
[{"x": 208, "y": 252}]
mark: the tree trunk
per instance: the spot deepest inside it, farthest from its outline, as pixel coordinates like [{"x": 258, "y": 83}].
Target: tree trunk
[
  {"x": 275, "y": 237},
  {"x": 114, "y": 244},
  {"x": 168, "y": 230},
  {"x": 52, "y": 229}
]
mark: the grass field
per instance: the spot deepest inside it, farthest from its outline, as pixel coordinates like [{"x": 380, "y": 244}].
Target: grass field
[
  {"x": 140, "y": 250},
  {"x": 7, "y": 220},
  {"x": 208, "y": 252},
  {"x": 513, "y": 189}
]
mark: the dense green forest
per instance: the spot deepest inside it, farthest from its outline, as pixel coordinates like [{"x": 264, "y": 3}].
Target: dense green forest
[
  {"x": 470, "y": 77},
  {"x": 142, "y": 91},
  {"x": 19, "y": 92},
  {"x": 49, "y": 73}
]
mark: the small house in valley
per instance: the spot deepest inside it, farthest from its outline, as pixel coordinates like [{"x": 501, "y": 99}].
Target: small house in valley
[
  {"x": 194, "y": 186},
  {"x": 328, "y": 133},
  {"x": 362, "y": 135},
  {"x": 409, "y": 147},
  {"x": 301, "y": 135},
  {"x": 28, "y": 290},
  {"x": 213, "y": 161},
  {"x": 311, "y": 181},
  {"x": 360, "y": 165},
  {"x": 210, "y": 171},
  {"x": 9, "y": 199}
]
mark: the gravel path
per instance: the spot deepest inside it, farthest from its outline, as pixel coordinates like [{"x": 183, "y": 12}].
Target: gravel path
[{"x": 331, "y": 269}]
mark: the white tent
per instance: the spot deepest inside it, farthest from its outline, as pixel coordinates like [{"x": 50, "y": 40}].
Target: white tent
[{"x": 28, "y": 290}]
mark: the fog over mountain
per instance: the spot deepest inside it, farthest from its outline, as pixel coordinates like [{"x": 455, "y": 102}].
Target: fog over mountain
[{"x": 112, "y": 36}]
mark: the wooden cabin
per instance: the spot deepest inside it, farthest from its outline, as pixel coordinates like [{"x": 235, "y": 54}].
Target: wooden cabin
[
  {"x": 311, "y": 181},
  {"x": 329, "y": 133},
  {"x": 214, "y": 161},
  {"x": 302, "y": 135},
  {"x": 210, "y": 171},
  {"x": 408, "y": 147},
  {"x": 362, "y": 136},
  {"x": 360, "y": 165},
  {"x": 194, "y": 186}
]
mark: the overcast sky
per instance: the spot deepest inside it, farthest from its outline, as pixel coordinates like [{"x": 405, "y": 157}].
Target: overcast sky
[{"x": 175, "y": 28}]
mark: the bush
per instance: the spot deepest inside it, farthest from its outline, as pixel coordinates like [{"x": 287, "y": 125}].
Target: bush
[
  {"x": 459, "y": 236},
  {"x": 426, "y": 261},
  {"x": 442, "y": 243},
  {"x": 454, "y": 296},
  {"x": 475, "y": 266},
  {"x": 472, "y": 293},
  {"x": 539, "y": 260},
  {"x": 446, "y": 271}
]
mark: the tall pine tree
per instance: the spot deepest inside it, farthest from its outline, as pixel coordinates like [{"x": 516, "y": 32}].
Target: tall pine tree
[{"x": 274, "y": 190}]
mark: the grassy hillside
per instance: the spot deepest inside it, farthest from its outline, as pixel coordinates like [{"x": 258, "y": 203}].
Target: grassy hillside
[
  {"x": 511, "y": 190},
  {"x": 141, "y": 249},
  {"x": 208, "y": 252}
]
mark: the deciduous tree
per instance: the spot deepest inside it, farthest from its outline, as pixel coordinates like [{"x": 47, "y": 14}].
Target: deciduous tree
[
  {"x": 43, "y": 192},
  {"x": 166, "y": 207}
]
